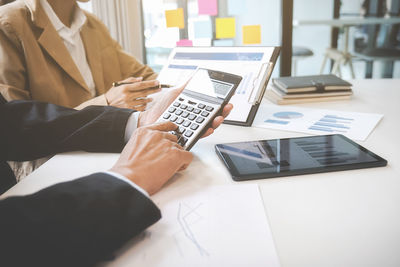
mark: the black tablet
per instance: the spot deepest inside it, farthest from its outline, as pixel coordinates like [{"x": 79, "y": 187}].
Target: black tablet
[{"x": 294, "y": 156}]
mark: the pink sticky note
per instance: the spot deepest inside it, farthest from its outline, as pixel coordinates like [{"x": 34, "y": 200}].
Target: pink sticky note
[
  {"x": 208, "y": 7},
  {"x": 184, "y": 42}
]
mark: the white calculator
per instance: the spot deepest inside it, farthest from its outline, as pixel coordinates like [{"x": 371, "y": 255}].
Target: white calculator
[{"x": 201, "y": 101}]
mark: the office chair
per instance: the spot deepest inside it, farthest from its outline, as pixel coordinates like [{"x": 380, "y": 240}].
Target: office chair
[{"x": 298, "y": 53}]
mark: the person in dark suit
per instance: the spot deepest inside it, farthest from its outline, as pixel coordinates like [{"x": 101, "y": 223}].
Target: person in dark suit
[{"x": 82, "y": 222}]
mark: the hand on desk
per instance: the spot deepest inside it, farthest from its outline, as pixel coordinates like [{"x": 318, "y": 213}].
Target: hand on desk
[
  {"x": 152, "y": 156},
  {"x": 132, "y": 93},
  {"x": 151, "y": 115}
]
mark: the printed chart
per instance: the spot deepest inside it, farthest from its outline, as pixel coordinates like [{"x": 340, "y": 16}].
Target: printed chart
[
  {"x": 354, "y": 125},
  {"x": 212, "y": 227}
]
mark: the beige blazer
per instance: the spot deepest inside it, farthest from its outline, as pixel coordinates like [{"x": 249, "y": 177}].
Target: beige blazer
[{"x": 35, "y": 64}]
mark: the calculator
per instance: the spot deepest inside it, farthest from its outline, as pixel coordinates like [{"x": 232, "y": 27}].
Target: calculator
[{"x": 203, "y": 99}]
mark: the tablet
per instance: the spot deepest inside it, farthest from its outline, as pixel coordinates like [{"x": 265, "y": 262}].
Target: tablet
[{"x": 295, "y": 156}]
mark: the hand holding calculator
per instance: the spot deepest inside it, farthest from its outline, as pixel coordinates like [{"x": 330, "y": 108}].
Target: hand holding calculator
[{"x": 201, "y": 101}]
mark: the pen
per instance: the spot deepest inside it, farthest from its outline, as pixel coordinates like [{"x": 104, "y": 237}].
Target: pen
[{"x": 116, "y": 84}]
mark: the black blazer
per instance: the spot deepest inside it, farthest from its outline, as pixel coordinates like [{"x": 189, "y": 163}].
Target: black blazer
[
  {"x": 31, "y": 130},
  {"x": 77, "y": 223}
]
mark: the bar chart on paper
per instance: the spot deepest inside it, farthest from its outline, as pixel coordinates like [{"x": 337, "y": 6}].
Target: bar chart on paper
[
  {"x": 354, "y": 125},
  {"x": 332, "y": 123}
]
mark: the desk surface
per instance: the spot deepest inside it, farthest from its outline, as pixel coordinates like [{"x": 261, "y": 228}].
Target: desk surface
[
  {"x": 349, "y": 21},
  {"x": 348, "y": 218}
]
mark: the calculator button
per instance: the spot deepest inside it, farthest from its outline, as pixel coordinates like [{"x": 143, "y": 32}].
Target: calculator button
[
  {"x": 173, "y": 118},
  {"x": 194, "y": 126},
  {"x": 182, "y": 130},
  {"x": 178, "y": 112},
  {"x": 186, "y": 123},
  {"x": 205, "y": 114},
  {"x": 188, "y": 133},
  {"x": 166, "y": 116},
  {"x": 171, "y": 110},
  {"x": 181, "y": 99},
  {"x": 192, "y": 117},
  {"x": 201, "y": 106},
  {"x": 190, "y": 109},
  {"x": 209, "y": 109},
  {"x": 197, "y": 111},
  {"x": 182, "y": 141},
  {"x": 200, "y": 120},
  {"x": 185, "y": 114},
  {"x": 183, "y": 106},
  {"x": 180, "y": 121},
  {"x": 177, "y": 104}
]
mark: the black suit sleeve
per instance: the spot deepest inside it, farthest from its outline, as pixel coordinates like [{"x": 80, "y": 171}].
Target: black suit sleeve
[
  {"x": 76, "y": 223},
  {"x": 31, "y": 130}
]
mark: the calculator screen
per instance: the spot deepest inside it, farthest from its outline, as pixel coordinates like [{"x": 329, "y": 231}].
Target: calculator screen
[{"x": 202, "y": 83}]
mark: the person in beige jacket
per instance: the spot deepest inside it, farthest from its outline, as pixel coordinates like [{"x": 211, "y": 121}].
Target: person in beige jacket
[{"x": 52, "y": 51}]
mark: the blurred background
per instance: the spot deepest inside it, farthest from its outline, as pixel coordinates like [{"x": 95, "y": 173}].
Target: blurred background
[{"x": 308, "y": 31}]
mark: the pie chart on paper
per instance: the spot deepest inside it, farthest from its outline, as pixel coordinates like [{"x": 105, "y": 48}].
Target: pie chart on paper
[{"x": 288, "y": 115}]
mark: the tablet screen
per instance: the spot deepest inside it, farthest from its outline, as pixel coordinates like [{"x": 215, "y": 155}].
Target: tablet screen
[{"x": 293, "y": 156}]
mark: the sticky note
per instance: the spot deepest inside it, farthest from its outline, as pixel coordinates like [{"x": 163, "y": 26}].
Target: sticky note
[
  {"x": 184, "y": 42},
  {"x": 236, "y": 7},
  {"x": 226, "y": 42},
  {"x": 202, "y": 29},
  {"x": 251, "y": 34},
  {"x": 225, "y": 28},
  {"x": 175, "y": 18},
  {"x": 208, "y": 7}
]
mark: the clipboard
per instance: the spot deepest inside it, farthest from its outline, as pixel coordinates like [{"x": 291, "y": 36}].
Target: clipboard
[{"x": 254, "y": 64}]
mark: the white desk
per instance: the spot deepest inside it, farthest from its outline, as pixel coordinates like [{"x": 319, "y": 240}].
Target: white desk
[{"x": 349, "y": 218}]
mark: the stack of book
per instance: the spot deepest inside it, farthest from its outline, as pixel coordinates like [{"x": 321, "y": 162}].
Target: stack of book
[{"x": 304, "y": 89}]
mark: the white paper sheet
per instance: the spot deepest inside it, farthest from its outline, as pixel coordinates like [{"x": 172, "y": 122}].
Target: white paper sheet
[
  {"x": 219, "y": 226},
  {"x": 253, "y": 71},
  {"x": 354, "y": 125}
]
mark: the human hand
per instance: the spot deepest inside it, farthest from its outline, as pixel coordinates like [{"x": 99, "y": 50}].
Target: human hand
[
  {"x": 133, "y": 94},
  {"x": 151, "y": 115},
  {"x": 152, "y": 156}
]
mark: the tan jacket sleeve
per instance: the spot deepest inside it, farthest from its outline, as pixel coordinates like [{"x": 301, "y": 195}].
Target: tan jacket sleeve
[
  {"x": 13, "y": 83},
  {"x": 130, "y": 67}
]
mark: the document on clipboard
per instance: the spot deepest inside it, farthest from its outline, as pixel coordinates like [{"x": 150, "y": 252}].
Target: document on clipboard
[{"x": 254, "y": 64}]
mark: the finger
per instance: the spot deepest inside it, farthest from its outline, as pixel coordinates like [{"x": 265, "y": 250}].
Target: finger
[
  {"x": 142, "y": 85},
  {"x": 226, "y": 110},
  {"x": 132, "y": 80},
  {"x": 217, "y": 122},
  {"x": 183, "y": 167},
  {"x": 141, "y": 93},
  {"x": 139, "y": 108},
  {"x": 209, "y": 131},
  {"x": 171, "y": 137},
  {"x": 163, "y": 126}
]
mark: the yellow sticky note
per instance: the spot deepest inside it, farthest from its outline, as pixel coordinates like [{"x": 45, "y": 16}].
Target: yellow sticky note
[
  {"x": 225, "y": 28},
  {"x": 251, "y": 34},
  {"x": 175, "y": 18}
]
